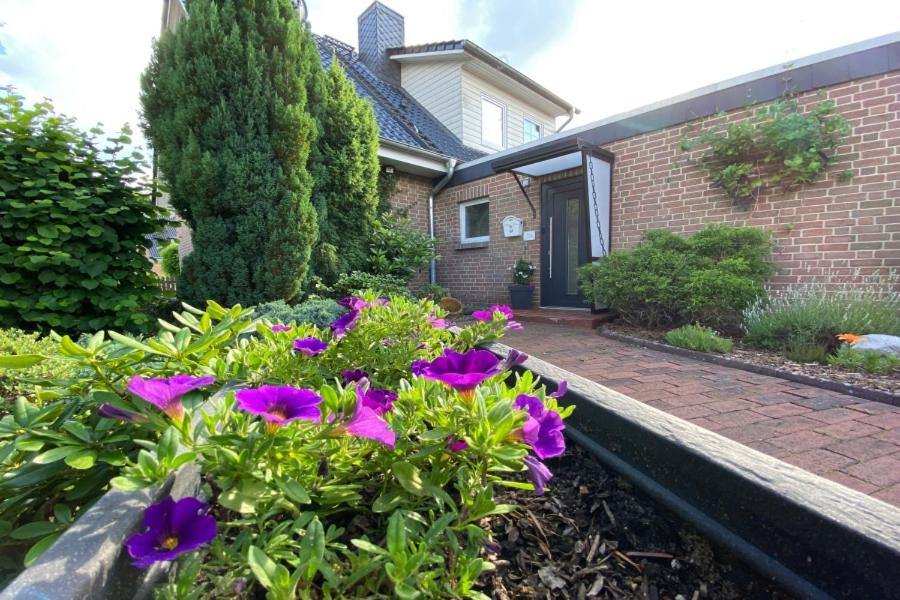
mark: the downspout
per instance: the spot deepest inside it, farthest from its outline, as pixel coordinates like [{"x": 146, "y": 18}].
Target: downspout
[
  {"x": 569, "y": 120},
  {"x": 451, "y": 167}
]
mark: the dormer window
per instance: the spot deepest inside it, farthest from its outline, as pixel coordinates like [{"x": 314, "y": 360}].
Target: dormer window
[
  {"x": 531, "y": 130},
  {"x": 492, "y": 119}
]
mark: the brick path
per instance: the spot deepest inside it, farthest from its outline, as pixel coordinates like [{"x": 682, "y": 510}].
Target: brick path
[{"x": 849, "y": 440}]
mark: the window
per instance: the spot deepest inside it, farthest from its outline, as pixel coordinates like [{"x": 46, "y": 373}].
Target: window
[
  {"x": 531, "y": 130},
  {"x": 492, "y": 123},
  {"x": 474, "y": 221}
]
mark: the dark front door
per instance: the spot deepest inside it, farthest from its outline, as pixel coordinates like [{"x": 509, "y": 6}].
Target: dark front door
[{"x": 563, "y": 242}]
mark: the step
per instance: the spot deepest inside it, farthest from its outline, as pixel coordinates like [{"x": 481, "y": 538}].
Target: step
[{"x": 582, "y": 319}]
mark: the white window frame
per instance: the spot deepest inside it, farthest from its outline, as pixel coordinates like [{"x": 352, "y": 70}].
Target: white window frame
[
  {"x": 540, "y": 127},
  {"x": 463, "y": 234},
  {"x": 502, "y": 107}
]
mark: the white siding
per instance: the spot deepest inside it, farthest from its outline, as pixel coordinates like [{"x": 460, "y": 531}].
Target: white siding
[
  {"x": 473, "y": 88},
  {"x": 438, "y": 87}
]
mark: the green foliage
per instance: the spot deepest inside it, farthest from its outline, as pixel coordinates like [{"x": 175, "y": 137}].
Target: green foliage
[
  {"x": 522, "y": 272},
  {"x": 224, "y": 106},
  {"x": 344, "y": 165},
  {"x": 433, "y": 291},
  {"x": 816, "y": 314},
  {"x": 700, "y": 338},
  {"x": 350, "y": 284},
  {"x": 806, "y": 353},
  {"x": 868, "y": 361},
  {"x": 169, "y": 261},
  {"x": 75, "y": 214},
  {"x": 708, "y": 278},
  {"x": 17, "y": 383},
  {"x": 780, "y": 146},
  {"x": 320, "y": 312},
  {"x": 397, "y": 248},
  {"x": 387, "y": 185}
]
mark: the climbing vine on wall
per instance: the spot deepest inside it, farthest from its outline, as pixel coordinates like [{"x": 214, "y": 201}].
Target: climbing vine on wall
[{"x": 779, "y": 146}]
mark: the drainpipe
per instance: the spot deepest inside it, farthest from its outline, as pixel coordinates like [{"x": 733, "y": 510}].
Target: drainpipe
[
  {"x": 451, "y": 167},
  {"x": 569, "y": 120}
]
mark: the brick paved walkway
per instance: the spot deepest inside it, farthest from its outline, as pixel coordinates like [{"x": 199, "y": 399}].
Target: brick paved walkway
[{"x": 849, "y": 440}]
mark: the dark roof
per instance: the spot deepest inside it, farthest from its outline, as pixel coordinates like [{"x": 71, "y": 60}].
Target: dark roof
[
  {"x": 400, "y": 117},
  {"x": 161, "y": 238},
  {"x": 485, "y": 56}
]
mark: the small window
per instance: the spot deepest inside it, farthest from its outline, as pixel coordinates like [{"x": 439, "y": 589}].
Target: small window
[
  {"x": 491, "y": 123},
  {"x": 530, "y": 130},
  {"x": 474, "y": 221}
]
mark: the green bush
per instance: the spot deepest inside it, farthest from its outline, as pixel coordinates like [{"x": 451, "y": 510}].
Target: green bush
[
  {"x": 665, "y": 280},
  {"x": 75, "y": 216},
  {"x": 357, "y": 282},
  {"x": 806, "y": 352},
  {"x": 320, "y": 312},
  {"x": 869, "y": 361},
  {"x": 816, "y": 314},
  {"x": 398, "y": 249},
  {"x": 433, "y": 291},
  {"x": 15, "y": 383},
  {"x": 169, "y": 261},
  {"x": 700, "y": 338}
]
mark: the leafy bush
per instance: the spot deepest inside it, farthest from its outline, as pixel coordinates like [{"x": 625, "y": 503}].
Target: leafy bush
[
  {"x": 169, "y": 261},
  {"x": 349, "y": 284},
  {"x": 815, "y": 314},
  {"x": 433, "y": 291},
  {"x": 17, "y": 383},
  {"x": 700, "y": 338},
  {"x": 806, "y": 352},
  {"x": 869, "y": 361},
  {"x": 398, "y": 249},
  {"x": 340, "y": 489},
  {"x": 75, "y": 216},
  {"x": 522, "y": 272},
  {"x": 708, "y": 278},
  {"x": 319, "y": 312}
]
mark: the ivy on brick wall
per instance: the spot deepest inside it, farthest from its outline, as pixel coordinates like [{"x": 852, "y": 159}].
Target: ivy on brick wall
[{"x": 780, "y": 145}]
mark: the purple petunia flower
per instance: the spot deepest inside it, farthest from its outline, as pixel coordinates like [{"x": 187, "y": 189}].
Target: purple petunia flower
[
  {"x": 418, "y": 367},
  {"x": 353, "y": 303},
  {"x": 310, "y": 346},
  {"x": 456, "y": 444},
  {"x": 543, "y": 429},
  {"x": 344, "y": 323},
  {"x": 503, "y": 309},
  {"x": 280, "y": 328},
  {"x": 437, "y": 323},
  {"x": 538, "y": 473},
  {"x": 366, "y": 423},
  {"x": 354, "y": 375},
  {"x": 380, "y": 401},
  {"x": 514, "y": 359},
  {"x": 483, "y": 315},
  {"x": 561, "y": 390},
  {"x": 173, "y": 528},
  {"x": 114, "y": 412},
  {"x": 165, "y": 393},
  {"x": 513, "y": 326},
  {"x": 462, "y": 372},
  {"x": 280, "y": 405}
]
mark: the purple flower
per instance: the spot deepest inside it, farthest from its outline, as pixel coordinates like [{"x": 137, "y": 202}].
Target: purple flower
[
  {"x": 543, "y": 429},
  {"x": 561, "y": 390},
  {"x": 502, "y": 308},
  {"x": 114, "y": 412},
  {"x": 514, "y": 359},
  {"x": 538, "y": 473},
  {"x": 354, "y": 375},
  {"x": 483, "y": 315},
  {"x": 353, "y": 303},
  {"x": 166, "y": 393},
  {"x": 366, "y": 423},
  {"x": 382, "y": 301},
  {"x": 173, "y": 528},
  {"x": 513, "y": 326},
  {"x": 344, "y": 323},
  {"x": 310, "y": 346},
  {"x": 418, "y": 367},
  {"x": 380, "y": 401},
  {"x": 437, "y": 323},
  {"x": 280, "y": 405},
  {"x": 280, "y": 328},
  {"x": 462, "y": 372},
  {"x": 456, "y": 445}
]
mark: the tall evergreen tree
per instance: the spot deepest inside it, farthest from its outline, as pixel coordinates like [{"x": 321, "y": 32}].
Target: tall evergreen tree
[
  {"x": 225, "y": 108},
  {"x": 345, "y": 167}
]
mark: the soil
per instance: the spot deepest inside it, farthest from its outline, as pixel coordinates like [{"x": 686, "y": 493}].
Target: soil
[
  {"x": 884, "y": 383},
  {"x": 593, "y": 536}
]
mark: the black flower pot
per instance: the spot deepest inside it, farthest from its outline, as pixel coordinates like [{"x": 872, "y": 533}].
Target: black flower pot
[{"x": 520, "y": 296}]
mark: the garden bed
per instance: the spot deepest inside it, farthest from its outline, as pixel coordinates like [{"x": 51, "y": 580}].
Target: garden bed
[{"x": 775, "y": 364}]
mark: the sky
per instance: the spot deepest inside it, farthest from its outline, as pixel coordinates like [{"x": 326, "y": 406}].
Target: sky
[{"x": 604, "y": 57}]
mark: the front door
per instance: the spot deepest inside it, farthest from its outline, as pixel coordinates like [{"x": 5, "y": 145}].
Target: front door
[{"x": 563, "y": 242}]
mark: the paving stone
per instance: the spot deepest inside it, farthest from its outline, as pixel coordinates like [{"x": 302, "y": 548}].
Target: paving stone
[
  {"x": 738, "y": 418},
  {"x": 883, "y": 471},
  {"x": 770, "y": 449},
  {"x": 801, "y": 441},
  {"x": 875, "y": 408},
  {"x": 793, "y": 424},
  {"x": 836, "y": 415},
  {"x": 892, "y": 435},
  {"x": 825, "y": 402},
  {"x": 865, "y": 448},
  {"x": 787, "y": 409},
  {"x": 852, "y": 482},
  {"x": 819, "y": 460},
  {"x": 725, "y": 406},
  {"x": 750, "y": 433},
  {"x": 891, "y": 495},
  {"x": 848, "y": 430},
  {"x": 883, "y": 421}
]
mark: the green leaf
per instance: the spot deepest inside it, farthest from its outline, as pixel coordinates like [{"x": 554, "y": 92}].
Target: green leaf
[
  {"x": 369, "y": 547},
  {"x": 39, "y": 548},
  {"x": 312, "y": 548},
  {"x": 129, "y": 484},
  {"x": 55, "y": 454},
  {"x": 262, "y": 566},
  {"x": 33, "y": 530},
  {"x": 133, "y": 343},
  {"x": 409, "y": 477},
  {"x": 293, "y": 490},
  {"x": 168, "y": 445},
  {"x": 20, "y": 361},
  {"x": 83, "y": 459},
  {"x": 396, "y": 536}
]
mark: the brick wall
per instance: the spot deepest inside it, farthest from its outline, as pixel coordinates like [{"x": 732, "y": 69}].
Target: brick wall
[
  {"x": 411, "y": 196},
  {"x": 828, "y": 231}
]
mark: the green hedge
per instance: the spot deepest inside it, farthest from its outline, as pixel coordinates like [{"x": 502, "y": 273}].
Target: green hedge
[
  {"x": 320, "y": 312},
  {"x": 15, "y": 383}
]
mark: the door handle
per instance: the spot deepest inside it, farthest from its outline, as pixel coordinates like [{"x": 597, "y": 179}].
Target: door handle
[{"x": 550, "y": 252}]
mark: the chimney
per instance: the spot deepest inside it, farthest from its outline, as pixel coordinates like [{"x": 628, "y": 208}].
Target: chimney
[{"x": 380, "y": 28}]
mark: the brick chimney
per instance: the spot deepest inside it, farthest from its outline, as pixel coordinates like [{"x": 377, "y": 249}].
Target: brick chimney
[{"x": 380, "y": 28}]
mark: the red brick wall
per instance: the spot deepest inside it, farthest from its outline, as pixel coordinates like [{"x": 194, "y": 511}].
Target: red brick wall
[
  {"x": 828, "y": 231},
  {"x": 411, "y": 196}
]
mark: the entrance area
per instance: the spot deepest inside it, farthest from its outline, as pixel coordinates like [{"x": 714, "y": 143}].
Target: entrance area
[{"x": 563, "y": 242}]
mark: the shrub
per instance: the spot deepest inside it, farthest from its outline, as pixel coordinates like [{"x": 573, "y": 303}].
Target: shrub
[
  {"x": 18, "y": 382},
  {"x": 869, "y": 361},
  {"x": 700, "y": 338},
  {"x": 708, "y": 278},
  {"x": 815, "y": 314},
  {"x": 75, "y": 217},
  {"x": 433, "y": 291},
  {"x": 398, "y": 249},
  {"x": 319, "y": 312},
  {"x": 806, "y": 352},
  {"x": 169, "y": 261},
  {"x": 522, "y": 272},
  {"x": 349, "y": 284}
]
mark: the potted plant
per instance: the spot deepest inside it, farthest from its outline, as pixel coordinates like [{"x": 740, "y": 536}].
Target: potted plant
[{"x": 521, "y": 291}]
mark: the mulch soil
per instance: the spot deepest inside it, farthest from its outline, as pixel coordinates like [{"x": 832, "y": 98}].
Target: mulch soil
[
  {"x": 593, "y": 536},
  {"x": 885, "y": 383}
]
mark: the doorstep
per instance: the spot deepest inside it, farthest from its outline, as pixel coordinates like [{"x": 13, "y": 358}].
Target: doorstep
[{"x": 579, "y": 318}]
